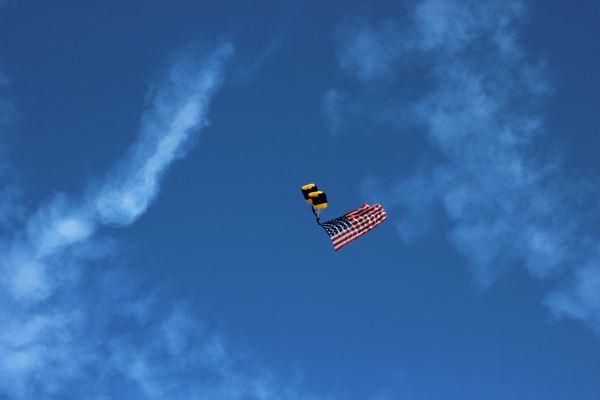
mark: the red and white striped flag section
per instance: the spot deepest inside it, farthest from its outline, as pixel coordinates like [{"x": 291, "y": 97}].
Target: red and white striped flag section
[{"x": 354, "y": 224}]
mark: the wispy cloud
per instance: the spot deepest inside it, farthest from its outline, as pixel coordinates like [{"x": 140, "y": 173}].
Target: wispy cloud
[
  {"x": 247, "y": 71},
  {"x": 507, "y": 202},
  {"x": 177, "y": 111},
  {"x": 76, "y": 323},
  {"x": 368, "y": 52}
]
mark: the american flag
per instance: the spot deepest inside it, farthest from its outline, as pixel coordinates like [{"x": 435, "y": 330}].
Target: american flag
[{"x": 353, "y": 224}]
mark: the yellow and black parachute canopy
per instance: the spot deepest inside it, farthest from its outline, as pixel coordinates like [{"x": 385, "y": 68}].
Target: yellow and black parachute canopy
[
  {"x": 307, "y": 190},
  {"x": 314, "y": 196},
  {"x": 319, "y": 199}
]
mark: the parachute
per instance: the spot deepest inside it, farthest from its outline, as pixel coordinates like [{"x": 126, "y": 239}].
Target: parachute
[
  {"x": 316, "y": 198},
  {"x": 344, "y": 229}
]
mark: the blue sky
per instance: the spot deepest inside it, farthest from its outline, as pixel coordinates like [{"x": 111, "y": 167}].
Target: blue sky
[{"x": 154, "y": 243}]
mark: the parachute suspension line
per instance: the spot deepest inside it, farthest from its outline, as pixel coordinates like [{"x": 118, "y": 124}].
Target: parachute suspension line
[{"x": 316, "y": 216}]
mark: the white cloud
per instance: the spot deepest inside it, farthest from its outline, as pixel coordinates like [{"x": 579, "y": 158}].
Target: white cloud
[
  {"x": 369, "y": 53},
  {"x": 482, "y": 117},
  {"x": 580, "y": 297},
  {"x": 178, "y": 111},
  {"x": 75, "y": 323}
]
